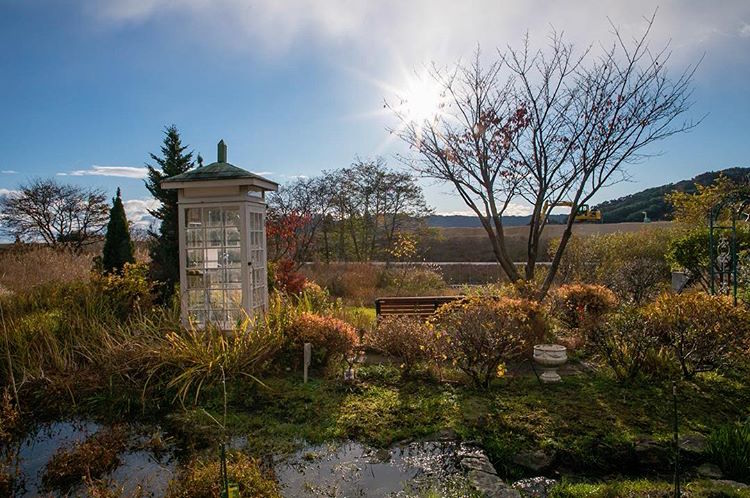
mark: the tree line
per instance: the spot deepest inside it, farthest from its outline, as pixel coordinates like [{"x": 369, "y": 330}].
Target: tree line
[{"x": 350, "y": 214}]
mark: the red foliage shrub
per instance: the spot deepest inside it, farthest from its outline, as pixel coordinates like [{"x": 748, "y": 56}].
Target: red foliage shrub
[
  {"x": 331, "y": 338},
  {"x": 286, "y": 278}
]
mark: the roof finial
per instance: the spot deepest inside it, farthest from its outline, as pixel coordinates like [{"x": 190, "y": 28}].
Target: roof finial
[{"x": 222, "y": 152}]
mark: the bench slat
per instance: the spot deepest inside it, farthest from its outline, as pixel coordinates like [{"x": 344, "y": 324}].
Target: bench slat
[{"x": 411, "y": 305}]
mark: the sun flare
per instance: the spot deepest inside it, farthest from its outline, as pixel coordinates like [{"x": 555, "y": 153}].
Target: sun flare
[{"x": 421, "y": 99}]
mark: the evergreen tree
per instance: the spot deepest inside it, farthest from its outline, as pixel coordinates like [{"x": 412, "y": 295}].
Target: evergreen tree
[
  {"x": 164, "y": 247},
  {"x": 118, "y": 248}
]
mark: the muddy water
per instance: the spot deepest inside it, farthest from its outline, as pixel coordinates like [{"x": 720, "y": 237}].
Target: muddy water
[
  {"x": 351, "y": 469},
  {"x": 139, "y": 468}
]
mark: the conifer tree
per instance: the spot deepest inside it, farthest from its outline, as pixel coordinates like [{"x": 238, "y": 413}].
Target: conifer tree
[
  {"x": 164, "y": 246},
  {"x": 118, "y": 248}
]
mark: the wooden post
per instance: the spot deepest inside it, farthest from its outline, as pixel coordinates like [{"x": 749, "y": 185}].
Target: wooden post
[{"x": 308, "y": 358}]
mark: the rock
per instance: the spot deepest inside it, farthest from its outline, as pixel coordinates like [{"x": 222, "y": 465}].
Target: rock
[
  {"x": 445, "y": 435},
  {"x": 474, "y": 462},
  {"x": 731, "y": 484},
  {"x": 491, "y": 486},
  {"x": 692, "y": 444},
  {"x": 536, "y": 461},
  {"x": 651, "y": 454},
  {"x": 709, "y": 471},
  {"x": 535, "y": 487}
]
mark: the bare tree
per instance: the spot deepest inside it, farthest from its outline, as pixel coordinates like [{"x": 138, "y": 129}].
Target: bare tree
[
  {"x": 546, "y": 126},
  {"x": 61, "y": 216},
  {"x": 352, "y": 213},
  {"x": 372, "y": 202},
  {"x": 307, "y": 200}
]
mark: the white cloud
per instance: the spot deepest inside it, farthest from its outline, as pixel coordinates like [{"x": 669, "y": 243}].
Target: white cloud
[
  {"x": 9, "y": 172},
  {"x": 5, "y": 191},
  {"x": 422, "y": 30},
  {"x": 121, "y": 171},
  {"x": 264, "y": 173},
  {"x": 745, "y": 31},
  {"x": 137, "y": 211}
]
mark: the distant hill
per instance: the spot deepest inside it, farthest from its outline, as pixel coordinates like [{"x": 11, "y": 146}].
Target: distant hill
[
  {"x": 651, "y": 200},
  {"x": 625, "y": 209}
]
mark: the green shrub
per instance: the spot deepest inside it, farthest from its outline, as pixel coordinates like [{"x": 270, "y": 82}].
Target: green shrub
[
  {"x": 729, "y": 448},
  {"x": 690, "y": 252},
  {"x": 411, "y": 280},
  {"x": 632, "y": 264},
  {"x": 361, "y": 317},
  {"x": 701, "y": 331},
  {"x": 484, "y": 333},
  {"x": 410, "y": 339},
  {"x": 627, "y": 344},
  {"x": 127, "y": 291},
  {"x": 315, "y": 299}
]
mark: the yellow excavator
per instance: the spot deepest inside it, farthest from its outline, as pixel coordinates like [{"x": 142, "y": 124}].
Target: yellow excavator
[{"x": 585, "y": 214}]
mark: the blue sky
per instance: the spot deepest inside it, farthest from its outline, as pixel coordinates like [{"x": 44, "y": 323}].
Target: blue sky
[{"x": 295, "y": 87}]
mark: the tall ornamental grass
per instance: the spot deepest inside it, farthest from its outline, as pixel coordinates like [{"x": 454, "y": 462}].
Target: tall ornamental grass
[{"x": 109, "y": 329}]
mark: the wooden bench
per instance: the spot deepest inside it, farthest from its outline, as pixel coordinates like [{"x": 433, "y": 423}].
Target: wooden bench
[{"x": 423, "y": 306}]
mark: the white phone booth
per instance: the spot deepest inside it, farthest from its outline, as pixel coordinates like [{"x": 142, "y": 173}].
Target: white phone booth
[{"x": 222, "y": 236}]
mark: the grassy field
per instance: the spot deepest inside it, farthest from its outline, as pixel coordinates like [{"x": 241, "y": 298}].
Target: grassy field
[{"x": 471, "y": 244}]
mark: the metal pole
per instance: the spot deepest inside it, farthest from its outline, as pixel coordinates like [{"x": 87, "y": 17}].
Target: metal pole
[
  {"x": 711, "y": 250},
  {"x": 676, "y": 443},
  {"x": 224, "y": 477},
  {"x": 734, "y": 258}
]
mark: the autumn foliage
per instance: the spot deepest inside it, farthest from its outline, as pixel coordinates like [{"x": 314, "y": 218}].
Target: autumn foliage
[
  {"x": 483, "y": 333},
  {"x": 332, "y": 339},
  {"x": 702, "y": 332},
  {"x": 282, "y": 233},
  {"x": 410, "y": 339},
  {"x": 581, "y": 306}
]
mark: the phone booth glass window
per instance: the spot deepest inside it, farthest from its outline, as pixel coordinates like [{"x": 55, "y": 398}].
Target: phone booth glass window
[
  {"x": 256, "y": 257},
  {"x": 213, "y": 265}
]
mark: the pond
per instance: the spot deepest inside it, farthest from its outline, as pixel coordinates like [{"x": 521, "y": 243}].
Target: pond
[
  {"x": 426, "y": 468},
  {"x": 353, "y": 469},
  {"x": 139, "y": 467}
]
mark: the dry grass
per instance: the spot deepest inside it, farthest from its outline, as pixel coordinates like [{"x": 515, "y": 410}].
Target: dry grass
[
  {"x": 200, "y": 478},
  {"x": 89, "y": 459},
  {"x": 29, "y": 267},
  {"x": 472, "y": 244},
  {"x": 359, "y": 284}
]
